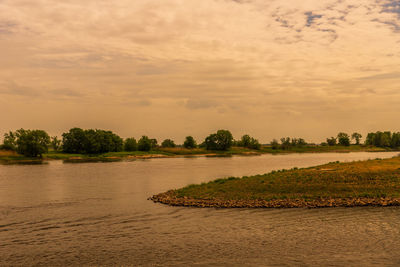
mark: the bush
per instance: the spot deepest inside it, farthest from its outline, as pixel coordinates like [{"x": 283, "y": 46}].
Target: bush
[
  {"x": 130, "y": 144},
  {"x": 189, "y": 142},
  {"x": 168, "y": 143}
]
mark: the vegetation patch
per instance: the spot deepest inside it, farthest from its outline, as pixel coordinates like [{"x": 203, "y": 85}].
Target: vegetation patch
[{"x": 362, "y": 183}]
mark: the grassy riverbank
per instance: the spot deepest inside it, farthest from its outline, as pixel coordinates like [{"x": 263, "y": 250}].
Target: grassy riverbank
[
  {"x": 12, "y": 157},
  {"x": 362, "y": 183}
]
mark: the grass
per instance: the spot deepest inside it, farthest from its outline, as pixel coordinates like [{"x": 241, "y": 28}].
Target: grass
[
  {"x": 9, "y": 157},
  {"x": 368, "y": 179}
]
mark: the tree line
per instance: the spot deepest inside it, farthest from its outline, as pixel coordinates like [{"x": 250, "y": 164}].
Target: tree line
[{"x": 34, "y": 143}]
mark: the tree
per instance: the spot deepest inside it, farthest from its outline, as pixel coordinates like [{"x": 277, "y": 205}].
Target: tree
[
  {"x": 379, "y": 139},
  {"x": 301, "y": 142},
  {"x": 249, "y": 142},
  {"x": 285, "y": 143},
  {"x": 154, "y": 143},
  {"x": 274, "y": 144},
  {"x": 222, "y": 140},
  {"x": 395, "y": 142},
  {"x": 9, "y": 142},
  {"x": 211, "y": 142},
  {"x": 144, "y": 144},
  {"x": 91, "y": 141},
  {"x": 55, "y": 143},
  {"x": 130, "y": 144},
  {"x": 254, "y": 144},
  {"x": 189, "y": 142},
  {"x": 74, "y": 140},
  {"x": 244, "y": 141},
  {"x": 343, "y": 139},
  {"x": 168, "y": 143},
  {"x": 32, "y": 143},
  {"x": 331, "y": 141},
  {"x": 357, "y": 137}
]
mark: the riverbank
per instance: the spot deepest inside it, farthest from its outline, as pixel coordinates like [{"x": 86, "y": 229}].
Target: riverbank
[
  {"x": 361, "y": 183},
  {"x": 10, "y": 157}
]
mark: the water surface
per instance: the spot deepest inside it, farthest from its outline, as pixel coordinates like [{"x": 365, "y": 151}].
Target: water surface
[{"x": 98, "y": 214}]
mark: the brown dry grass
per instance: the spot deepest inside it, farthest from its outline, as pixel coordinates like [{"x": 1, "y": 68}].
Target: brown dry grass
[{"x": 8, "y": 153}]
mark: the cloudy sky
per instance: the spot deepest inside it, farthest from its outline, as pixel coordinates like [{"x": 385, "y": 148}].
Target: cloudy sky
[{"x": 171, "y": 68}]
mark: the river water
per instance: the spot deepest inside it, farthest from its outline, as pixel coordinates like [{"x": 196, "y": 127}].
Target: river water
[{"x": 98, "y": 214}]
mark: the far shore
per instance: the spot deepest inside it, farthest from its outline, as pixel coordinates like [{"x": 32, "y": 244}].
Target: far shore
[
  {"x": 352, "y": 184},
  {"x": 10, "y": 157}
]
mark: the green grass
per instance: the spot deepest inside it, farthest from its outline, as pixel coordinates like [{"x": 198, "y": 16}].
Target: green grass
[{"x": 372, "y": 178}]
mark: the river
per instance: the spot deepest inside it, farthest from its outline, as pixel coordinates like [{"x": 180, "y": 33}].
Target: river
[{"x": 98, "y": 214}]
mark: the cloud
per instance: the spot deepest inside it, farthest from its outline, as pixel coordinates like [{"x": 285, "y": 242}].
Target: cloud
[
  {"x": 217, "y": 60},
  {"x": 14, "y": 89},
  {"x": 7, "y": 27},
  {"x": 311, "y": 18}
]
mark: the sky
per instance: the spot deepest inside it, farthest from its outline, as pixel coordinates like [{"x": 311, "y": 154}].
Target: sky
[{"x": 172, "y": 68}]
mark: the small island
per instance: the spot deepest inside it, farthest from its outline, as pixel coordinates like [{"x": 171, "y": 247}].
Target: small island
[{"x": 360, "y": 183}]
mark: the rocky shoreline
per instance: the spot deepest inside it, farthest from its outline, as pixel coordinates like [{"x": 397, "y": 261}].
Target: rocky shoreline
[{"x": 169, "y": 198}]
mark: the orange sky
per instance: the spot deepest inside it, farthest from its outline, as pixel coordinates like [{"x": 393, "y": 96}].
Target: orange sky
[{"x": 173, "y": 68}]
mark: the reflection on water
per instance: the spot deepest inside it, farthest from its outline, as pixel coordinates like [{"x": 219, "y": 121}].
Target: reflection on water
[{"x": 98, "y": 214}]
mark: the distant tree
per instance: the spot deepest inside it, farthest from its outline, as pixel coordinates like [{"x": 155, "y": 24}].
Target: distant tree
[
  {"x": 395, "y": 142},
  {"x": 357, "y": 137},
  {"x": 222, "y": 140},
  {"x": 248, "y": 142},
  {"x": 254, "y": 144},
  {"x": 285, "y": 143},
  {"x": 31, "y": 143},
  {"x": 298, "y": 142},
  {"x": 145, "y": 144},
  {"x": 211, "y": 142},
  {"x": 91, "y": 141},
  {"x": 244, "y": 141},
  {"x": 331, "y": 141},
  {"x": 56, "y": 143},
  {"x": 379, "y": 139},
  {"x": 74, "y": 140},
  {"x": 384, "y": 139},
  {"x": 154, "y": 143},
  {"x": 168, "y": 143},
  {"x": 130, "y": 144},
  {"x": 301, "y": 142},
  {"x": 10, "y": 141},
  {"x": 274, "y": 144},
  {"x": 343, "y": 139},
  {"x": 189, "y": 142}
]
